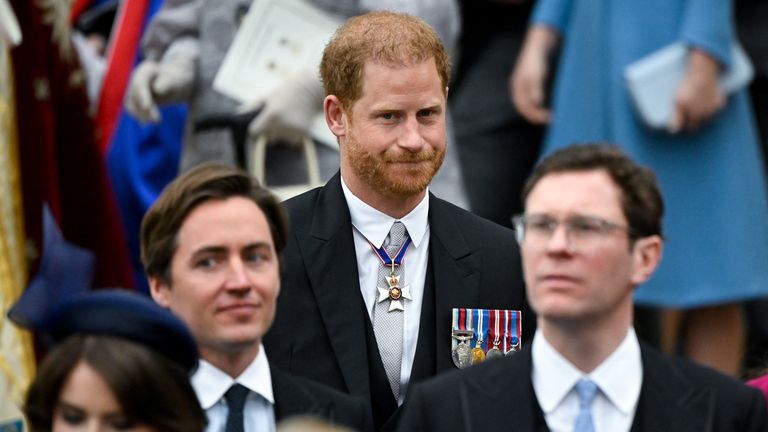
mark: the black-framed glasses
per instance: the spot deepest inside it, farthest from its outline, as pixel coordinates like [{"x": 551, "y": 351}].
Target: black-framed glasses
[{"x": 579, "y": 230}]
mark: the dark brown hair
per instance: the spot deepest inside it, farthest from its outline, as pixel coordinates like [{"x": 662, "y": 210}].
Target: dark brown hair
[
  {"x": 641, "y": 199},
  {"x": 205, "y": 182},
  {"x": 152, "y": 390},
  {"x": 382, "y": 37}
]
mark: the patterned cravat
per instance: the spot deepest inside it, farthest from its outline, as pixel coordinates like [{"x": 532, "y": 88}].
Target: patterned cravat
[
  {"x": 235, "y": 398},
  {"x": 387, "y": 323},
  {"x": 587, "y": 390}
]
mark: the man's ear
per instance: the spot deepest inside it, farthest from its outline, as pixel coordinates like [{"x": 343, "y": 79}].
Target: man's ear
[
  {"x": 646, "y": 255},
  {"x": 160, "y": 292},
  {"x": 335, "y": 116}
]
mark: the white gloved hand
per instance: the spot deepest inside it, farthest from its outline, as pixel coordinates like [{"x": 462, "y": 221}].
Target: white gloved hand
[
  {"x": 138, "y": 96},
  {"x": 154, "y": 83},
  {"x": 288, "y": 111}
]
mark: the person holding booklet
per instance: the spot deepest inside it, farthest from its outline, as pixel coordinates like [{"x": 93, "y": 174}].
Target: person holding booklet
[{"x": 707, "y": 157}]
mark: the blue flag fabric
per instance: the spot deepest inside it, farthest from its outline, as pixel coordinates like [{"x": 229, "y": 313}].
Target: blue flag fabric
[{"x": 65, "y": 270}]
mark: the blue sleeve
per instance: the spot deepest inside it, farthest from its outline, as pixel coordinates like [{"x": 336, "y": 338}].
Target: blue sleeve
[
  {"x": 708, "y": 25},
  {"x": 552, "y": 13}
]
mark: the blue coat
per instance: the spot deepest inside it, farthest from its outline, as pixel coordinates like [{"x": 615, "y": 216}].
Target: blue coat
[{"x": 713, "y": 181}]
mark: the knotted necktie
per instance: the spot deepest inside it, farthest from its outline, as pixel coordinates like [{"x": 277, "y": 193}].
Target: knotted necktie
[
  {"x": 235, "y": 398},
  {"x": 587, "y": 390},
  {"x": 387, "y": 320}
]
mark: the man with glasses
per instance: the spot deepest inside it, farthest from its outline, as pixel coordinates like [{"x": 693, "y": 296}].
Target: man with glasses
[{"x": 590, "y": 234}]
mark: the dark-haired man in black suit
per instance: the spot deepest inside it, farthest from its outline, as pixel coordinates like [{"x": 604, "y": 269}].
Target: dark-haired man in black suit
[
  {"x": 385, "y": 77},
  {"x": 211, "y": 245},
  {"x": 591, "y": 233}
]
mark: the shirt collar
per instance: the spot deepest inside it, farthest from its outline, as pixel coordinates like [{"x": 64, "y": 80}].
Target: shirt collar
[
  {"x": 619, "y": 376},
  {"x": 375, "y": 225},
  {"x": 210, "y": 383}
]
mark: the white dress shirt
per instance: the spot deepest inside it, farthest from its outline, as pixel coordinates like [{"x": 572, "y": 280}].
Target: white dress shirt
[
  {"x": 371, "y": 225},
  {"x": 618, "y": 379},
  {"x": 210, "y": 384}
]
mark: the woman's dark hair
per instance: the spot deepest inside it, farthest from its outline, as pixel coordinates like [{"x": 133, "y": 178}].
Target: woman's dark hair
[{"x": 152, "y": 389}]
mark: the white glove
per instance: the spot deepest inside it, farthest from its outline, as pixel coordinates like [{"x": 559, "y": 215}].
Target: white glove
[
  {"x": 154, "y": 83},
  {"x": 288, "y": 111}
]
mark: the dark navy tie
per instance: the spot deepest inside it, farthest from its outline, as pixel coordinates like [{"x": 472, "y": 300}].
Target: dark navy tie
[{"x": 235, "y": 398}]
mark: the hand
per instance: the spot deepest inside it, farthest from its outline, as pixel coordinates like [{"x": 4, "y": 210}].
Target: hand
[
  {"x": 155, "y": 83},
  {"x": 288, "y": 111},
  {"x": 699, "y": 97},
  {"x": 527, "y": 82},
  {"x": 138, "y": 96}
]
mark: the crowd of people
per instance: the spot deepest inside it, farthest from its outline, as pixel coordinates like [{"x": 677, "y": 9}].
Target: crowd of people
[{"x": 374, "y": 303}]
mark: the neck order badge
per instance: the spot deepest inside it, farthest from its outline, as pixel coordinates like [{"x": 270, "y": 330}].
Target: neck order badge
[{"x": 394, "y": 292}]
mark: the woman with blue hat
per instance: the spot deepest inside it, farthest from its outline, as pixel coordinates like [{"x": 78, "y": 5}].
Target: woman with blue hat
[{"x": 120, "y": 363}]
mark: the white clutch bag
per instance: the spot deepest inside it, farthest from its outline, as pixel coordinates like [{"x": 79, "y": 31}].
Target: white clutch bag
[{"x": 653, "y": 80}]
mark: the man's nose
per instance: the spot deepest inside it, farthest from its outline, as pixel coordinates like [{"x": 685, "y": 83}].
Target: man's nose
[
  {"x": 411, "y": 138},
  {"x": 560, "y": 241},
  {"x": 237, "y": 277}
]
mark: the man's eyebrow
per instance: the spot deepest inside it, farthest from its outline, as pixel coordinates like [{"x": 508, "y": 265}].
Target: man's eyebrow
[
  {"x": 209, "y": 250},
  {"x": 223, "y": 249},
  {"x": 257, "y": 245},
  {"x": 436, "y": 108}
]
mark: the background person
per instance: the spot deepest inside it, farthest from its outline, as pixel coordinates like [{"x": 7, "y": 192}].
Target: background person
[
  {"x": 120, "y": 363},
  {"x": 497, "y": 147},
  {"x": 711, "y": 136}
]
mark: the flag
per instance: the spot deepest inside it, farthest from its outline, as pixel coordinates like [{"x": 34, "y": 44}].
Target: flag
[
  {"x": 17, "y": 360},
  {"x": 61, "y": 164}
]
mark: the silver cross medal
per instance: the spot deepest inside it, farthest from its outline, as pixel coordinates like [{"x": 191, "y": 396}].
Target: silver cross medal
[{"x": 394, "y": 293}]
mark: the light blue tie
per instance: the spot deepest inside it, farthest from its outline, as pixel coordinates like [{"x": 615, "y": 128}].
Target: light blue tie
[{"x": 587, "y": 390}]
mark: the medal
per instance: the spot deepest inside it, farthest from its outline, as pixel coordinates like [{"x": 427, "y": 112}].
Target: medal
[
  {"x": 478, "y": 353},
  {"x": 495, "y": 352},
  {"x": 394, "y": 292},
  {"x": 512, "y": 339},
  {"x": 461, "y": 353},
  {"x": 514, "y": 344}
]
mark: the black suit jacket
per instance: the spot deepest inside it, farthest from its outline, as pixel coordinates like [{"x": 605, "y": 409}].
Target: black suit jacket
[
  {"x": 295, "y": 396},
  {"x": 676, "y": 395},
  {"x": 322, "y": 330}
]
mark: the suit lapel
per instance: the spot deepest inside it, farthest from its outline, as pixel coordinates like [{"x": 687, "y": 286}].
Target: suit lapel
[
  {"x": 329, "y": 253},
  {"x": 291, "y": 399},
  {"x": 669, "y": 400},
  {"x": 507, "y": 392},
  {"x": 456, "y": 275}
]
